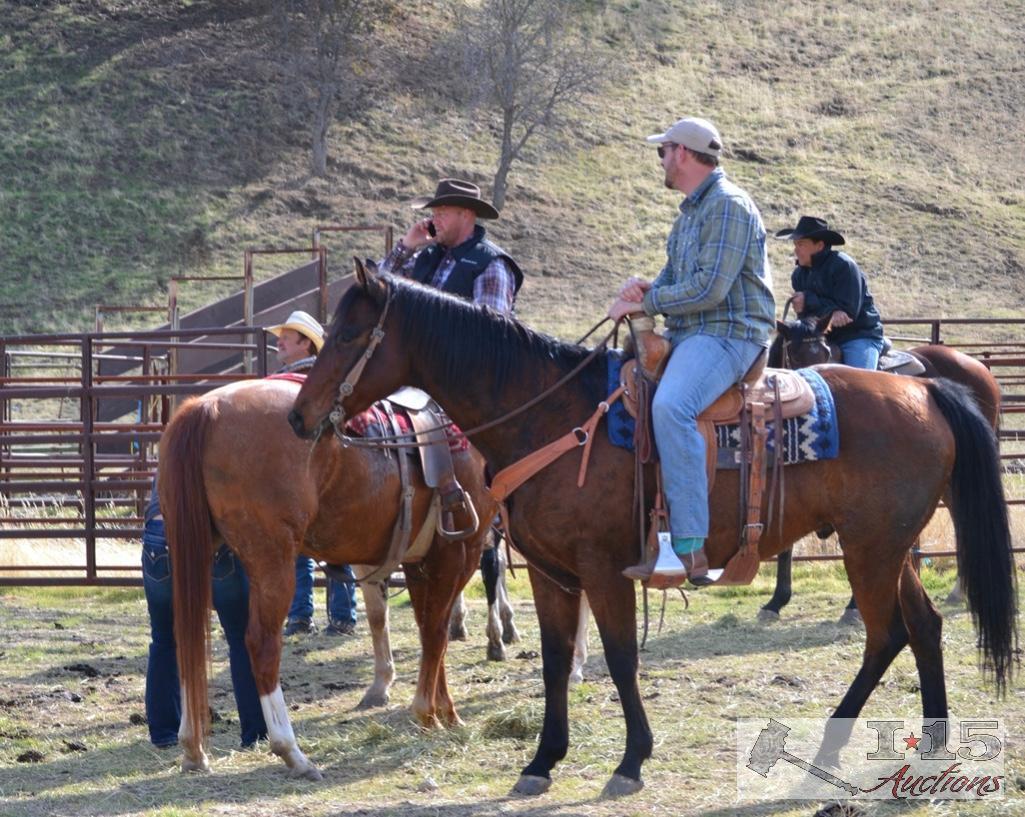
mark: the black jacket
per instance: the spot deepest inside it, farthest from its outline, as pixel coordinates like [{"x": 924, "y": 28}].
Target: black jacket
[{"x": 833, "y": 281}]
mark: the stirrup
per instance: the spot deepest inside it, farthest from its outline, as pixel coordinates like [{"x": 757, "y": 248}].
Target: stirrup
[
  {"x": 451, "y": 503},
  {"x": 668, "y": 563}
]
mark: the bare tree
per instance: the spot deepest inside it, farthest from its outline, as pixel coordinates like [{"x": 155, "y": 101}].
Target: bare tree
[
  {"x": 321, "y": 42},
  {"x": 528, "y": 60}
]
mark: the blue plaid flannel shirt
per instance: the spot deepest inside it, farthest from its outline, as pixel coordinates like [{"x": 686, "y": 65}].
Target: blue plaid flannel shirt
[{"x": 717, "y": 279}]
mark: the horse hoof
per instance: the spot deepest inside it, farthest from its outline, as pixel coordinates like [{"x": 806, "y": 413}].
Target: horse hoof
[
  {"x": 457, "y": 634},
  {"x": 531, "y": 785},
  {"x": 510, "y": 635},
  {"x": 576, "y": 678},
  {"x": 372, "y": 700},
  {"x": 620, "y": 786},
  {"x": 309, "y": 772},
  {"x": 767, "y": 616},
  {"x": 852, "y": 618},
  {"x": 201, "y": 765},
  {"x": 496, "y": 652}
]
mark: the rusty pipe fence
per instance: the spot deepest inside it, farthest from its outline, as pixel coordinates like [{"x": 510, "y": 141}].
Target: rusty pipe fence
[
  {"x": 64, "y": 473},
  {"x": 98, "y": 473}
]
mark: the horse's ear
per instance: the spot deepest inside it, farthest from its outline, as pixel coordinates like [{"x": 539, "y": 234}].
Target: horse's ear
[
  {"x": 783, "y": 329},
  {"x": 363, "y": 275}
]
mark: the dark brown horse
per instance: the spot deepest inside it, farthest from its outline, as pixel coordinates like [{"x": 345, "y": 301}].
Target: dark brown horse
[
  {"x": 232, "y": 470},
  {"x": 805, "y": 343},
  {"x": 902, "y": 440}
]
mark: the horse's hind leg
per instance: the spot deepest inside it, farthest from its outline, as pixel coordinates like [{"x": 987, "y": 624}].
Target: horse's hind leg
[
  {"x": 875, "y": 584},
  {"x": 784, "y": 585},
  {"x": 510, "y": 635},
  {"x": 433, "y": 586},
  {"x": 375, "y": 600},
  {"x": 576, "y": 674},
  {"x": 924, "y": 625},
  {"x": 494, "y": 588},
  {"x": 457, "y": 621},
  {"x": 272, "y": 584}
]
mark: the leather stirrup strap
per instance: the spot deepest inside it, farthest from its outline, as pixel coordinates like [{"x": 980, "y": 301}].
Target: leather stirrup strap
[
  {"x": 512, "y": 477},
  {"x": 404, "y": 522}
]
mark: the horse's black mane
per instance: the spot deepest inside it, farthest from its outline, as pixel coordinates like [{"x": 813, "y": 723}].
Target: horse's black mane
[{"x": 481, "y": 339}]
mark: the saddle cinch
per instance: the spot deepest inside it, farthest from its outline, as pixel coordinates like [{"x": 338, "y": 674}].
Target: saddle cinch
[
  {"x": 762, "y": 394},
  {"x": 449, "y": 500}
]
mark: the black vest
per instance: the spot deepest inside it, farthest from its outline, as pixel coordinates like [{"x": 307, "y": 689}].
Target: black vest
[{"x": 471, "y": 259}]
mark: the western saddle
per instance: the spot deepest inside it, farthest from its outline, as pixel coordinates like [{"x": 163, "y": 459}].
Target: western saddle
[{"x": 763, "y": 394}]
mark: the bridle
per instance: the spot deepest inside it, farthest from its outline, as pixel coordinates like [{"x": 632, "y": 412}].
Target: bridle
[
  {"x": 336, "y": 417},
  {"x": 807, "y": 340},
  {"x": 345, "y": 389}
]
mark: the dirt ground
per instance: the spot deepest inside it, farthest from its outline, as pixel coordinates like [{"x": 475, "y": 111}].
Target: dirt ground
[{"x": 73, "y": 739}]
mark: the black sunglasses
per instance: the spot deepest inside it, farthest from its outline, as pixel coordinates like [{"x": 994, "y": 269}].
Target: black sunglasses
[{"x": 663, "y": 149}]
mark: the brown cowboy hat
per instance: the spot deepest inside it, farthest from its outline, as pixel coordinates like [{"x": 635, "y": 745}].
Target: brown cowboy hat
[
  {"x": 457, "y": 193},
  {"x": 814, "y": 228}
]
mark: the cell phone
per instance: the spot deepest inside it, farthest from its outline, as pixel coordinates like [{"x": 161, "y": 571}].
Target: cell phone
[{"x": 430, "y": 230}]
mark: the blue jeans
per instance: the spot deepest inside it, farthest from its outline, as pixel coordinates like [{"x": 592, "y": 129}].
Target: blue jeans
[
  {"x": 862, "y": 353},
  {"x": 231, "y": 600},
  {"x": 700, "y": 368},
  {"x": 341, "y": 596}
]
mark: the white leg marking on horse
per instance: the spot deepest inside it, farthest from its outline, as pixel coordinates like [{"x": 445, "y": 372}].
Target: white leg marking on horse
[
  {"x": 376, "y": 604},
  {"x": 194, "y": 758},
  {"x": 576, "y": 674},
  {"x": 282, "y": 738}
]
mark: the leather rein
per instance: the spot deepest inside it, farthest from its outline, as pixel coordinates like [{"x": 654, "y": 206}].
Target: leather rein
[{"x": 337, "y": 415}]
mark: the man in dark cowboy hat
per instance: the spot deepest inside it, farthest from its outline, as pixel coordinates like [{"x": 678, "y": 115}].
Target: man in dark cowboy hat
[
  {"x": 450, "y": 251},
  {"x": 828, "y": 284}
]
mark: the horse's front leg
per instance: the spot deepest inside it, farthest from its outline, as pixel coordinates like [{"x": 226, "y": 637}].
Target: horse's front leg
[
  {"x": 269, "y": 598},
  {"x": 557, "y": 613},
  {"x": 615, "y": 611},
  {"x": 375, "y": 600}
]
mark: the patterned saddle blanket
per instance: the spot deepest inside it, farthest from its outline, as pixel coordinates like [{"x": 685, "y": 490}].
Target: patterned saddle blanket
[{"x": 807, "y": 438}]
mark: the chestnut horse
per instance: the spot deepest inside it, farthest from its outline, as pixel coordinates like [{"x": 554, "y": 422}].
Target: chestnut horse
[
  {"x": 804, "y": 343},
  {"x": 232, "y": 470},
  {"x": 902, "y": 440}
]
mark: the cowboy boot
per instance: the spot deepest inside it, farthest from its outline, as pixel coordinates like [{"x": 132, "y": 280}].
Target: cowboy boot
[
  {"x": 642, "y": 571},
  {"x": 698, "y": 572}
]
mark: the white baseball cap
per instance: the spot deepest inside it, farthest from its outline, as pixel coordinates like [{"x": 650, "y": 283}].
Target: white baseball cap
[
  {"x": 694, "y": 133},
  {"x": 303, "y": 323}
]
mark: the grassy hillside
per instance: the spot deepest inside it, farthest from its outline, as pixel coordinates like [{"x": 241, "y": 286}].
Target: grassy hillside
[{"x": 140, "y": 140}]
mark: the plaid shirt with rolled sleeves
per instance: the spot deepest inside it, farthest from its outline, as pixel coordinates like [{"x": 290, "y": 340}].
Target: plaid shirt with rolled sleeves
[
  {"x": 717, "y": 279},
  {"x": 495, "y": 287}
]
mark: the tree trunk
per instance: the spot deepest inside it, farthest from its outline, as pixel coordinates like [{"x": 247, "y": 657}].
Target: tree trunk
[{"x": 321, "y": 121}]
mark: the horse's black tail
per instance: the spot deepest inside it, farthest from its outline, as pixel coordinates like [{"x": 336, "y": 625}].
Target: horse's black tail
[{"x": 979, "y": 510}]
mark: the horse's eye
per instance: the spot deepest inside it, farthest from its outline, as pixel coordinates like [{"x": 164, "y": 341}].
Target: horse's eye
[{"x": 347, "y": 334}]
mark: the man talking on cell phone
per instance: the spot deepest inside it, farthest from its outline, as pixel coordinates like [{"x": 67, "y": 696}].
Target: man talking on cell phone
[{"x": 450, "y": 250}]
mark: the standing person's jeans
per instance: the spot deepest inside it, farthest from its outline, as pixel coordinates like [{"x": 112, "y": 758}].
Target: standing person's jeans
[
  {"x": 862, "y": 353},
  {"x": 341, "y": 596},
  {"x": 231, "y": 600},
  {"x": 700, "y": 369}
]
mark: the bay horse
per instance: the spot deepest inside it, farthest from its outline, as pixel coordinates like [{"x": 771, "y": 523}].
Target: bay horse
[
  {"x": 902, "y": 440},
  {"x": 805, "y": 343},
  {"x": 231, "y": 470}
]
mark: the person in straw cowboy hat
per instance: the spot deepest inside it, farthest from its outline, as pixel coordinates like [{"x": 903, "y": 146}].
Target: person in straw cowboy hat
[
  {"x": 716, "y": 294},
  {"x": 300, "y": 339},
  {"x": 451, "y": 252},
  {"x": 829, "y": 284}
]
